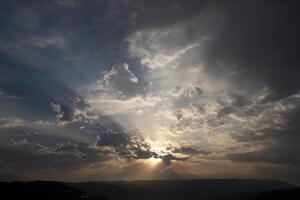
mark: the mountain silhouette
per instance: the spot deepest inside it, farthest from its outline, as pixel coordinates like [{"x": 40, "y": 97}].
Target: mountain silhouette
[
  {"x": 228, "y": 189},
  {"x": 41, "y": 190},
  {"x": 286, "y": 194},
  {"x": 210, "y": 189}
]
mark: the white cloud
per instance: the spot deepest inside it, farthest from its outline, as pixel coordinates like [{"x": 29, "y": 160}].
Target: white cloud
[
  {"x": 56, "y": 40},
  {"x": 160, "y": 48},
  {"x": 11, "y": 122},
  {"x": 120, "y": 72}
]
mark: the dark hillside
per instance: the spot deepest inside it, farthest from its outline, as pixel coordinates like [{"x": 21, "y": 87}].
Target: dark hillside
[{"x": 180, "y": 189}]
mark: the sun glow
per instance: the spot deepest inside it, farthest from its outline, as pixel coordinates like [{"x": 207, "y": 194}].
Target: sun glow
[
  {"x": 160, "y": 151},
  {"x": 159, "y": 148},
  {"x": 154, "y": 161}
]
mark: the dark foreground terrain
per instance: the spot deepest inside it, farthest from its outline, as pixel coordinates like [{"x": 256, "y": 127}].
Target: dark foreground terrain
[
  {"x": 41, "y": 190},
  {"x": 215, "y": 189}
]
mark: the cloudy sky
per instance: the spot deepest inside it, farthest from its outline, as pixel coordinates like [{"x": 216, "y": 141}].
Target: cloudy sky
[{"x": 137, "y": 89}]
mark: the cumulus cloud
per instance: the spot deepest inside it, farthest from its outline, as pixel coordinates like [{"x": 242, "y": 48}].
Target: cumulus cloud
[
  {"x": 130, "y": 147},
  {"x": 51, "y": 147},
  {"x": 119, "y": 83},
  {"x": 121, "y": 80},
  {"x": 75, "y": 145},
  {"x": 47, "y": 157},
  {"x": 72, "y": 109}
]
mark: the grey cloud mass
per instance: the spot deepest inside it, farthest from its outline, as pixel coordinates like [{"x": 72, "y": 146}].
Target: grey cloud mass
[{"x": 137, "y": 89}]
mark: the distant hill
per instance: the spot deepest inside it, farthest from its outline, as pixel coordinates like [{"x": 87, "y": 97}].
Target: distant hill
[
  {"x": 286, "y": 194},
  {"x": 41, "y": 190},
  {"x": 211, "y": 189},
  {"x": 229, "y": 189}
]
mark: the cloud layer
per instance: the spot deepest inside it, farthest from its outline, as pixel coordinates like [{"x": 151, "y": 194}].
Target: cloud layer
[{"x": 142, "y": 90}]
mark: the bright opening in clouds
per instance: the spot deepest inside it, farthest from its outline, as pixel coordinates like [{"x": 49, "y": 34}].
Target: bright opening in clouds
[{"x": 106, "y": 90}]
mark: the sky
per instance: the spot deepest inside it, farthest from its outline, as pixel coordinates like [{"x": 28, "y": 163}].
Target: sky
[{"x": 136, "y": 89}]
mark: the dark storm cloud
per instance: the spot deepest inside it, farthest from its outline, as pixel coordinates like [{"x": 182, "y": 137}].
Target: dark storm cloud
[
  {"x": 120, "y": 82},
  {"x": 167, "y": 159},
  {"x": 25, "y": 148},
  {"x": 239, "y": 100},
  {"x": 26, "y": 156},
  {"x": 155, "y": 14},
  {"x": 279, "y": 153},
  {"x": 75, "y": 35},
  {"x": 189, "y": 151},
  {"x": 255, "y": 42},
  {"x": 225, "y": 111},
  {"x": 34, "y": 89},
  {"x": 249, "y": 135},
  {"x": 107, "y": 133},
  {"x": 131, "y": 147},
  {"x": 81, "y": 141},
  {"x": 259, "y": 40},
  {"x": 284, "y": 146},
  {"x": 70, "y": 109},
  {"x": 113, "y": 139}
]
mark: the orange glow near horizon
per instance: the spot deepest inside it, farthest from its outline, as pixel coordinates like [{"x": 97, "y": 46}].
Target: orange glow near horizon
[{"x": 153, "y": 162}]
